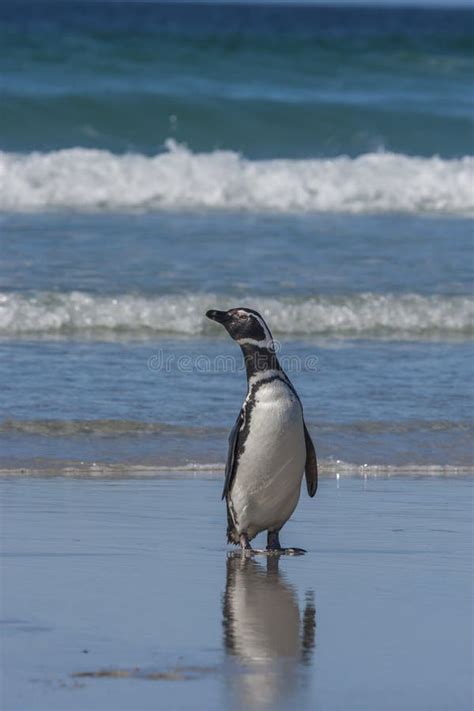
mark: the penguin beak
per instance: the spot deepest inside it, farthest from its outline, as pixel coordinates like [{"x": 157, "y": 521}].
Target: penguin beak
[{"x": 218, "y": 316}]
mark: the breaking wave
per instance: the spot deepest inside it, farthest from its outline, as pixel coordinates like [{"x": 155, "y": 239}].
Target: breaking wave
[
  {"x": 84, "y": 179},
  {"x": 410, "y": 316}
]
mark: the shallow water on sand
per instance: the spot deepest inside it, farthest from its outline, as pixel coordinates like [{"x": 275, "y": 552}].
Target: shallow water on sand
[{"x": 133, "y": 578}]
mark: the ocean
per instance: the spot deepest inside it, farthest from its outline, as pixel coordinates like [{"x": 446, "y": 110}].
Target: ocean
[{"x": 314, "y": 163}]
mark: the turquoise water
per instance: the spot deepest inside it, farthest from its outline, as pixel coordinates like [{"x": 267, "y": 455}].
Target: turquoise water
[
  {"x": 155, "y": 161},
  {"x": 265, "y": 81}
]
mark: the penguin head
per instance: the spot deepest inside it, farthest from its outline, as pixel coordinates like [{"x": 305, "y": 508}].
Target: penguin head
[{"x": 245, "y": 326}]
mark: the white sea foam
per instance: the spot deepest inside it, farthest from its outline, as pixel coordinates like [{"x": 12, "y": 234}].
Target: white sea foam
[
  {"x": 332, "y": 469},
  {"x": 409, "y": 316},
  {"x": 84, "y": 179}
]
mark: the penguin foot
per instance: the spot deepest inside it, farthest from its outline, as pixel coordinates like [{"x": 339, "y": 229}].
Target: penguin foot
[
  {"x": 246, "y": 549},
  {"x": 281, "y": 551},
  {"x": 273, "y": 551},
  {"x": 274, "y": 547}
]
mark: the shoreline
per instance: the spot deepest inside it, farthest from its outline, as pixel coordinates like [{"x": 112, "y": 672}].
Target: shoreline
[{"x": 124, "y": 471}]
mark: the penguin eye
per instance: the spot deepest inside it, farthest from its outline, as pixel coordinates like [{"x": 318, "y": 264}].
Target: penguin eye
[{"x": 243, "y": 316}]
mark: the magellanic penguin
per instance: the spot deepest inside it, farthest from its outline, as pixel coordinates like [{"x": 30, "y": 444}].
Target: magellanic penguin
[{"x": 269, "y": 445}]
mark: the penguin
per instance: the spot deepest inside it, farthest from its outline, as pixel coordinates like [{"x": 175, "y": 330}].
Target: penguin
[{"x": 269, "y": 445}]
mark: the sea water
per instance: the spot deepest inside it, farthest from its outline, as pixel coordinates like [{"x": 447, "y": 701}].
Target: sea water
[{"x": 159, "y": 160}]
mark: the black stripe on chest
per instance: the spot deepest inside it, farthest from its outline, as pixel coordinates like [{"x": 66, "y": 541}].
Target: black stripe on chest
[{"x": 250, "y": 405}]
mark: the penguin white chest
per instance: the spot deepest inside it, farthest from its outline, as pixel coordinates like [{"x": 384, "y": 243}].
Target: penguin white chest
[{"x": 267, "y": 481}]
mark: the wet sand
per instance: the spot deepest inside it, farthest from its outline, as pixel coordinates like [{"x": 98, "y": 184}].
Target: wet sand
[{"x": 121, "y": 595}]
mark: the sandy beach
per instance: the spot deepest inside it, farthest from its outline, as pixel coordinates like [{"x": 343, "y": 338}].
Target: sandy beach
[{"x": 123, "y": 595}]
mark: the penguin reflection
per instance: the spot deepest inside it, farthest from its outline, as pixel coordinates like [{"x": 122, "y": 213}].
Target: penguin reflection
[{"x": 263, "y": 630}]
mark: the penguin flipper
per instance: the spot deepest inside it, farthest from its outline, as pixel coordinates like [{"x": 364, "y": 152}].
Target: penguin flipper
[
  {"x": 311, "y": 465},
  {"x": 233, "y": 444}
]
